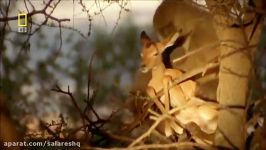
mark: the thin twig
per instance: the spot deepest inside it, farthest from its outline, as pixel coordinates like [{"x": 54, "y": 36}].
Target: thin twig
[
  {"x": 157, "y": 122},
  {"x": 181, "y": 145},
  {"x": 208, "y": 47},
  {"x": 35, "y": 12}
]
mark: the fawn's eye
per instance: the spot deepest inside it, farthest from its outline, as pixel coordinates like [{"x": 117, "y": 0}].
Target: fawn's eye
[
  {"x": 155, "y": 54},
  {"x": 148, "y": 44}
]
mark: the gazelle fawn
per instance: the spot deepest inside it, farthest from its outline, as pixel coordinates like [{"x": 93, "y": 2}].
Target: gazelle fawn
[{"x": 199, "y": 112}]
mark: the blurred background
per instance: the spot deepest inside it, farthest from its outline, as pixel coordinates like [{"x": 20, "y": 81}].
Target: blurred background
[
  {"x": 73, "y": 74},
  {"x": 31, "y": 66}
]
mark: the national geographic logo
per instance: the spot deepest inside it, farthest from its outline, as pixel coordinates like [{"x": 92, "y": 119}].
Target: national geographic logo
[{"x": 22, "y": 22}]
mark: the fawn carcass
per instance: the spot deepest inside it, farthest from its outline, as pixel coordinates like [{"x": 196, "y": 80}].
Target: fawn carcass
[
  {"x": 181, "y": 15},
  {"x": 195, "y": 111}
]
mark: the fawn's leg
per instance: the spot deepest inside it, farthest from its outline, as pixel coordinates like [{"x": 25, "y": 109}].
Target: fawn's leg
[
  {"x": 166, "y": 81},
  {"x": 151, "y": 93}
]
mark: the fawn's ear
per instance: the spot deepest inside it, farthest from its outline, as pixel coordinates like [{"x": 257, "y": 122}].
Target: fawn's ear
[{"x": 144, "y": 38}]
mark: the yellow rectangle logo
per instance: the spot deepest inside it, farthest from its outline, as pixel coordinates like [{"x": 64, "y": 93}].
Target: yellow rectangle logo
[{"x": 22, "y": 20}]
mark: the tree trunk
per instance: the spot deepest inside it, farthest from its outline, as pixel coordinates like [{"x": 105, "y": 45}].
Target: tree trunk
[{"x": 234, "y": 74}]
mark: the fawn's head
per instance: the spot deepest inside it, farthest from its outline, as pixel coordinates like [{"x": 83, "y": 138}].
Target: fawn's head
[{"x": 151, "y": 53}]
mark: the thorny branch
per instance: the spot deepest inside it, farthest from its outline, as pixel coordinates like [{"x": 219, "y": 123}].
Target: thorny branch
[
  {"x": 122, "y": 8},
  {"x": 4, "y": 26},
  {"x": 93, "y": 127},
  {"x": 47, "y": 12},
  {"x": 44, "y": 11},
  {"x": 87, "y": 9},
  {"x": 35, "y": 12}
]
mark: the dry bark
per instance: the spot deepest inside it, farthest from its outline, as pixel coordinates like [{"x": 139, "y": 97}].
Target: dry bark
[{"x": 234, "y": 74}]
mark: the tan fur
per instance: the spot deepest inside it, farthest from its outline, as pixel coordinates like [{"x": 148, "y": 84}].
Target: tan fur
[
  {"x": 199, "y": 112},
  {"x": 179, "y": 15},
  {"x": 151, "y": 58}
]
